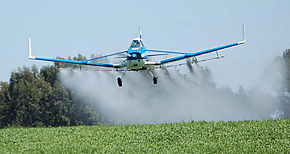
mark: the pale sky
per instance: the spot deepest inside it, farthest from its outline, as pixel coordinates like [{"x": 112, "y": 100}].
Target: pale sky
[{"x": 68, "y": 27}]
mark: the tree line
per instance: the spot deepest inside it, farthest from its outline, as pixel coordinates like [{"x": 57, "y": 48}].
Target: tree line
[{"x": 34, "y": 98}]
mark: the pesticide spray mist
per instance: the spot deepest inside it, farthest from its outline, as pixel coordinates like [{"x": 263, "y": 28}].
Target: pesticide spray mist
[{"x": 182, "y": 94}]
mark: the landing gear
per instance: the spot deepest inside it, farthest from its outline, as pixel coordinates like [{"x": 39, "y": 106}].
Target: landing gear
[
  {"x": 154, "y": 77},
  {"x": 119, "y": 79}
]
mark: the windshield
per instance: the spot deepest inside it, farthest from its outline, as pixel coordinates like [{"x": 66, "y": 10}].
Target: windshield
[{"x": 135, "y": 43}]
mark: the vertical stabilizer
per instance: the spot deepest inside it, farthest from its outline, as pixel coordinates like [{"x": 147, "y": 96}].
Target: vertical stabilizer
[{"x": 140, "y": 33}]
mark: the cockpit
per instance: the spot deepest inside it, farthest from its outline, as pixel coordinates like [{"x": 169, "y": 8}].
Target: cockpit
[{"x": 136, "y": 43}]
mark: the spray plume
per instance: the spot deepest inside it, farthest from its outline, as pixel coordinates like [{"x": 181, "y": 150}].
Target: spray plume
[{"x": 183, "y": 94}]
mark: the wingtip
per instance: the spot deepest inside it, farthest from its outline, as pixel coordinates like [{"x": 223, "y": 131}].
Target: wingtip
[
  {"x": 29, "y": 50},
  {"x": 242, "y": 42}
]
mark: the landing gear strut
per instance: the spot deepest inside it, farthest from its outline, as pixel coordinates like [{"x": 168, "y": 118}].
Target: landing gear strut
[
  {"x": 119, "y": 79},
  {"x": 154, "y": 77}
]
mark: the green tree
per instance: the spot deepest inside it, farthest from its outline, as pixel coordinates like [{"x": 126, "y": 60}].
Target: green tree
[
  {"x": 36, "y": 98},
  {"x": 4, "y": 103},
  {"x": 26, "y": 91}
]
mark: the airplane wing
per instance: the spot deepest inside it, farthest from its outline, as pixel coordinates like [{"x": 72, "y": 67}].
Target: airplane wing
[
  {"x": 84, "y": 62},
  {"x": 108, "y": 55},
  {"x": 189, "y": 55}
]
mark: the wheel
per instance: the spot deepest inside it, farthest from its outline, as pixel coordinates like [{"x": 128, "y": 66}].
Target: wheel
[
  {"x": 155, "y": 80},
  {"x": 119, "y": 81}
]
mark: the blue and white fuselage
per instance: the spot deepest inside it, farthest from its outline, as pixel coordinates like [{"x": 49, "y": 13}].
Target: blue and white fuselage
[{"x": 135, "y": 59}]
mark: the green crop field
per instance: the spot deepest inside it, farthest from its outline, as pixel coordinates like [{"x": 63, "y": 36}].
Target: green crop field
[{"x": 270, "y": 136}]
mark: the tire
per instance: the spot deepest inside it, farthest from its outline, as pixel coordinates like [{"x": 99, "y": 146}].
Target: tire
[
  {"x": 155, "y": 79},
  {"x": 119, "y": 81}
]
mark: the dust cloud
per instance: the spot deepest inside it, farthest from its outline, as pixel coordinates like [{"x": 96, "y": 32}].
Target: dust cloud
[{"x": 182, "y": 94}]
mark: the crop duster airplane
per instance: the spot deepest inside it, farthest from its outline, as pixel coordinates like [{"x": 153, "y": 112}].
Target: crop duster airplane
[{"x": 136, "y": 58}]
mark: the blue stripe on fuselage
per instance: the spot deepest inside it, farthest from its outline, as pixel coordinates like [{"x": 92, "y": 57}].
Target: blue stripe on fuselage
[{"x": 140, "y": 50}]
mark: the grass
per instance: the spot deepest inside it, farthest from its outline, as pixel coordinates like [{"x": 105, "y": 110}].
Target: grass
[{"x": 270, "y": 136}]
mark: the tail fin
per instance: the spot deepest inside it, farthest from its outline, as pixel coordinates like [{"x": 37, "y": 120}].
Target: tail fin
[{"x": 140, "y": 33}]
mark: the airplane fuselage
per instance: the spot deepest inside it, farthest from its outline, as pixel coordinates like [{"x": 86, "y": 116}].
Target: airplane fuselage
[
  {"x": 136, "y": 60},
  {"x": 135, "y": 65}
]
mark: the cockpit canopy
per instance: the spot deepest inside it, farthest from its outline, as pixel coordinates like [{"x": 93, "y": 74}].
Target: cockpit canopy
[{"x": 136, "y": 43}]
